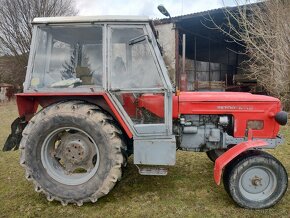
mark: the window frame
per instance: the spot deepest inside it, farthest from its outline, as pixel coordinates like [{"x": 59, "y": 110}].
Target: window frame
[{"x": 143, "y": 130}]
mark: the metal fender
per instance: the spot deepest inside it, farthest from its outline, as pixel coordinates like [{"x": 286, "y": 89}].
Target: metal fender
[
  {"x": 233, "y": 152},
  {"x": 27, "y": 103}
]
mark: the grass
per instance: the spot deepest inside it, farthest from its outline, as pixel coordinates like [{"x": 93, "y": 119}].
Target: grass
[{"x": 187, "y": 191}]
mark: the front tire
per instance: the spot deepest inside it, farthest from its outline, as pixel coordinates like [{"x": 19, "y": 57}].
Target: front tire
[
  {"x": 72, "y": 152},
  {"x": 256, "y": 181}
]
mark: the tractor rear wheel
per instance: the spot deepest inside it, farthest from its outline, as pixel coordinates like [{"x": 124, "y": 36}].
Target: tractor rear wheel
[
  {"x": 255, "y": 181},
  {"x": 72, "y": 152}
]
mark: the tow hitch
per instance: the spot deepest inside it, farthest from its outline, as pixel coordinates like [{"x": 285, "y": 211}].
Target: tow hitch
[{"x": 13, "y": 140}]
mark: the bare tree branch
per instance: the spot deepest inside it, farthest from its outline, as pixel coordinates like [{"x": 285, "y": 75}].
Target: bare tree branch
[
  {"x": 264, "y": 29},
  {"x": 16, "y": 28},
  {"x": 15, "y": 22}
]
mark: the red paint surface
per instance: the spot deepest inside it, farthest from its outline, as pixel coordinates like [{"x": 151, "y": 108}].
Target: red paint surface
[
  {"x": 155, "y": 104},
  {"x": 223, "y": 97},
  {"x": 229, "y": 155},
  {"x": 242, "y": 106},
  {"x": 129, "y": 104},
  {"x": 27, "y": 104},
  {"x": 152, "y": 102},
  {"x": 118, "y": 116}
]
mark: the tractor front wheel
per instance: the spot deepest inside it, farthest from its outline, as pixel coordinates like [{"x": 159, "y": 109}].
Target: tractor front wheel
[
  {"x": 72, "y": 152},
  {"x": 256, "y": 181}
]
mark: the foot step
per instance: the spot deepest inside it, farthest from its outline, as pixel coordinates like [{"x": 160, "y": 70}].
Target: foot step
[{"x": 152, "y": 171}]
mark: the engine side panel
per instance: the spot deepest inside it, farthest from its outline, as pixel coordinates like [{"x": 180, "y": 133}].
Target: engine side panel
[{"x": 242, "y": 111}]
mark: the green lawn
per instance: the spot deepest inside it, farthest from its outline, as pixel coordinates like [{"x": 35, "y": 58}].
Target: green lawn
[{"x": 187, "y": 191}]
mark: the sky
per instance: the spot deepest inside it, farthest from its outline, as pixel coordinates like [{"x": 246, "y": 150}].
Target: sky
[{"x": 148, "y": 7}]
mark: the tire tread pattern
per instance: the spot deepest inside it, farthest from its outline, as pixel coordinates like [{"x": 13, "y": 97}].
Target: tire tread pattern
[{"x": 112, "y": 132}]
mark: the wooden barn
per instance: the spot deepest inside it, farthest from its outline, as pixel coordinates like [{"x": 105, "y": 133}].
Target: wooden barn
[{"x": 200, "y": 57}]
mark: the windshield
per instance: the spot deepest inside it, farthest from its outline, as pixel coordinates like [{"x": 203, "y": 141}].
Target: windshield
[{"x": 68, "y": 57}]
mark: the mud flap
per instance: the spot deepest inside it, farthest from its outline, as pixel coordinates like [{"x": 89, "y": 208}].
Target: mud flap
[{"x": 13, "y": 140}]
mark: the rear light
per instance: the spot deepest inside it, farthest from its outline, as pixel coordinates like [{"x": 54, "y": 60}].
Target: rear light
[
  {"x": 255, "y": 124},
  {"x": 281, "y": 118}
]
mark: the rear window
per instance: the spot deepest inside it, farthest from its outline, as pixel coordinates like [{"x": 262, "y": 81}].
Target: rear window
[{"x": 68, "y": 57}]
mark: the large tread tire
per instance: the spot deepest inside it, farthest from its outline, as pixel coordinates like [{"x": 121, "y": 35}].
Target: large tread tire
[
  {"x": 249, "y": 160},
  {"x": 96, "y": 123}
]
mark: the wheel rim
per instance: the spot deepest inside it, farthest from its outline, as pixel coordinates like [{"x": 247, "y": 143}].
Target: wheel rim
[
  {"x": 257, "y": 183},
  {"x": 70, "y": 156}
]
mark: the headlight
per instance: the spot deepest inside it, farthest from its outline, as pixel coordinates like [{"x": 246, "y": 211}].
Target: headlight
[
  {"x": 255, "y": 124},
  {"x": 281, "y": 118}
]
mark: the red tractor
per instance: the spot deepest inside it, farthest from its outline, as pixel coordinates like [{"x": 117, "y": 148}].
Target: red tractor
[{"x": 105, "y": 94}]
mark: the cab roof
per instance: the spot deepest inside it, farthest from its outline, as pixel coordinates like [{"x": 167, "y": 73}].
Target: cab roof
[{"x": 89, "y": 19}]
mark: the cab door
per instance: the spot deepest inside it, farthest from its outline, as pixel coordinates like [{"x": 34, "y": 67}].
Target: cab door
[{"x": 138, "y": 82}]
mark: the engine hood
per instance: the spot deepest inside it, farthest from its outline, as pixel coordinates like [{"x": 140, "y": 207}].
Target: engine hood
[{"x": 224, "y": 97}]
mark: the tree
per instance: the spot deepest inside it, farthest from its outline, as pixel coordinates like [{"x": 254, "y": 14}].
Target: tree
[
  {"x": 16, "y": 28},
  {"x": 264, "y": 30}
]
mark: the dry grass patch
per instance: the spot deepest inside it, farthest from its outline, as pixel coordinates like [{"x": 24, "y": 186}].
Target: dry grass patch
[{"x": 188, "y": 191}]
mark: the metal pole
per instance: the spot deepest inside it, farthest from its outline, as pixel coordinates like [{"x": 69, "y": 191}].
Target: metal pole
[
  {"x": 209, "y": 60},
  {"x": 183, "y": 52},
  {"x": 177, "y": 69},
  {"x": 195, "y": 70},
  {"x": 183, "y": 79},
  {"x": 228, "y": 53}
]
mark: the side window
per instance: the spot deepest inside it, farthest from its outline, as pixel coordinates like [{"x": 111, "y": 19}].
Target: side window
[
  {"x": 132, "y": 63},
  {"x": 135, "y": 79},
  {"x": 68, "y": 57},
  {"x": 143, "y": 108}
]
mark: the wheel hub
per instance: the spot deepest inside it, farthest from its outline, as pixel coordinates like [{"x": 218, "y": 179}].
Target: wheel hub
[
  {"x": 257, "y": 183},
  {"x": 75, "y": 152},
  {"x": 70, "y": 156}
]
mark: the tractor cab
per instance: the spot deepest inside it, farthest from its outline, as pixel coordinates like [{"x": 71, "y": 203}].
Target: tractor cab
[{"x": 120, "y": 59}]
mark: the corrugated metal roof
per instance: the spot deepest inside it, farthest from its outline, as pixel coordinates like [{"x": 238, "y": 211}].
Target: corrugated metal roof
[
  {"x": 176, "y": 19},
  {"x": 192, "y": 15}
]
